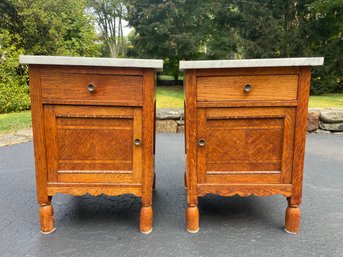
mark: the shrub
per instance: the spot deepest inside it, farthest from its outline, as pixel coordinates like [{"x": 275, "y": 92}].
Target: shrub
[{"x": 14, "y": 91}]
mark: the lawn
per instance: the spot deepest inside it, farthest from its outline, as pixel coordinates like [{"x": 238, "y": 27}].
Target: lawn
[
  {"x": 172, "y": 97},
  {"x": 10, "y": 122},
  {"x": 168, "y": 77},
  {"x": 326, "y": 101},
  {"x": 167, "y": 97}
]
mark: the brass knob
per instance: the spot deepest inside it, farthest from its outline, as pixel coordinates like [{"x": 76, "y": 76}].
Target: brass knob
[
  {"x": 138, "y": 142},
  {"x": 201, "y": 142},
  {"x": 247, "y": 88},
  {"x": 91, "y": 88}
]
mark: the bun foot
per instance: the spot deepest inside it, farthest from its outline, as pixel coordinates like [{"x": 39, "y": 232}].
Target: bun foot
[
  {"x": 46, "y": 214},
  {"x": 192, "y": 219},
  {"x": 146, "y": 220},
  {"x": 292, "y": 223}
]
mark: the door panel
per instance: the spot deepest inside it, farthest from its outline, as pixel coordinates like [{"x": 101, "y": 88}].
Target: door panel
[
  {"x": 245, "y": 145},
  {"x": 93, "y": 144}
]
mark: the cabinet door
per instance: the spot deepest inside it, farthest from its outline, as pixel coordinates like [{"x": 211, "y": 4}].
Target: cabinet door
[
  {"x": 92, "y": 144},
  {"x": 245, "y": 145}
]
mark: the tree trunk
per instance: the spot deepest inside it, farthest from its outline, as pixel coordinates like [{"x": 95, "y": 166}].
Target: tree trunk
[
  {"x": 113, "y": 51},
  {"x": 176, "y": 77}
]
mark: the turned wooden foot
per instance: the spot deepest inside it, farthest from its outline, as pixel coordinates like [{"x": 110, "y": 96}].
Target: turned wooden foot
[
  {"x": 192, "y": 219},
  {"x": 154, "y": 182},
  {"x": 146, "y": 219},
  {"x": 292, "y": 223},
  {"x": 46, "y": 215}
]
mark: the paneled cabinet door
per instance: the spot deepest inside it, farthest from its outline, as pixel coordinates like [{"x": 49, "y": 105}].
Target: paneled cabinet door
[
  {"x": 245, "y": 145},
  {"x": 92, "y": 144}
]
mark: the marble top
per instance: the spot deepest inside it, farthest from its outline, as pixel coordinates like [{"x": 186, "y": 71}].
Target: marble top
[
  {"x": 248, "y": 63},
  {"x": 91, "y": 61}
]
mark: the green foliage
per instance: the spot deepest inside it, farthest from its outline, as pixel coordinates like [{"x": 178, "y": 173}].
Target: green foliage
[
  {"x": 39, "y": 27},
  {"x": 177, "y": 30},
  {"x": 54, "y": 27},
  {"x": 166, "y": 29},
  {"x": 293, "y": 28},
  {"x": 326, "y": 39},
  {"x": 219, "y": 29},
  {"x": 14, "y": 91}
]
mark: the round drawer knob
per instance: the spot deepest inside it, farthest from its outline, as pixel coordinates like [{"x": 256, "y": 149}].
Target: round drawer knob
[
  {"x": 247, "y": 88},
  {"x": 138, "y": 142},
  {"x": 91, "y": 88},
  {"x": 201, "y": 142}
]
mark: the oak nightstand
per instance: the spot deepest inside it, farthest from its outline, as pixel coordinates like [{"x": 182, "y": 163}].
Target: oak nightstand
[
  {"x": 93, "y": 129},
  {"x": 246, "y": 129}
]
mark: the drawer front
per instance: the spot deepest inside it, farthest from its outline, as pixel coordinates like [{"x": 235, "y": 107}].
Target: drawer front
[
  {"x": 76, "y": 87},
  {"x": 245, "y": 145},
  {"x": 247, "y": 88},
  {"x": 93, "y": 145}
]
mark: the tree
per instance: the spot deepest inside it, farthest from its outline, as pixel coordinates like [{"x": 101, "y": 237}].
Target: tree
[
  {"x": 281, "y": 28},
  {"x": 273, "y": 28},
  {"x": 171, "y": 29},
  {"x": 109, "y": 16},
  {"x": 13, "y": 87},
  {"x": 51, "y": 27},
  {"x": 326, "y": 39}
]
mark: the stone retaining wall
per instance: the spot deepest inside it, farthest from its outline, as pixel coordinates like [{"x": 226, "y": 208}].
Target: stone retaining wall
[
  {"x": 170, "y": 120},
  {"x": 328, "y": 120},
  {"x": 323, "y": 120}
]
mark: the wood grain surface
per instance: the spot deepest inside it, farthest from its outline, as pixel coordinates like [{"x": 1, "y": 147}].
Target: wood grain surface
[
  {"x": 246, "y": 143},
  {"x": 72, "y": 85},
  {"x": 263, "y": 87},
  {"x": 92, "y": 142}
]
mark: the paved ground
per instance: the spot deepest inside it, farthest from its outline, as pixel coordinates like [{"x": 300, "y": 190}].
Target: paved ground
[
  {"x": 16, "y": 137},
  {"x": 232, "y": 226}
]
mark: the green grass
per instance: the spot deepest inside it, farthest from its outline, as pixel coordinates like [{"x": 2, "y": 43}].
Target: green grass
[
  {"x": 167, "y": 77},
  {"x": 326, "y": 101},
  {"x": 11, "y": 122},
  {"x": 172, "y": 97},
  {"x": 169, "y": 97}
]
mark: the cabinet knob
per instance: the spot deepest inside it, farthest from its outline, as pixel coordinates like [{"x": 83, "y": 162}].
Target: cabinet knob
[
  {"x": 202, "y": 142},
  {"x": 138, "y": 142},
  {"x": 91, "y": 88},
  {"x": 247, "y": 88}
]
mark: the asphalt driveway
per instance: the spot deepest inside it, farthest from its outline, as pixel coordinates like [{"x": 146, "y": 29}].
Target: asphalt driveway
[{"x": 229, "y": 226}]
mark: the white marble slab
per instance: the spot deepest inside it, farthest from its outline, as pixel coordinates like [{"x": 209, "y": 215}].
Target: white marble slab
[
  {"x": 90, "y": 61},
  {"x": 249, "y": 63}
]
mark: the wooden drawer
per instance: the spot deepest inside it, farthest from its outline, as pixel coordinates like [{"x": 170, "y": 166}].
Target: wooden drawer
[
  {"x": 110, "y": 86},
  {"x": 263, "y": 88}
]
